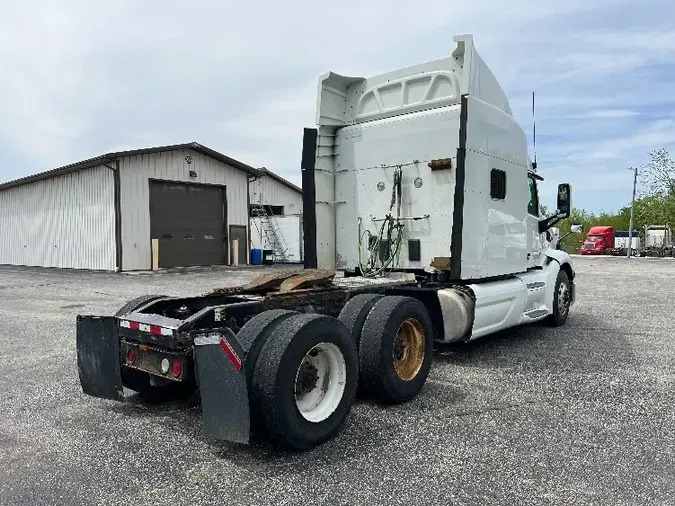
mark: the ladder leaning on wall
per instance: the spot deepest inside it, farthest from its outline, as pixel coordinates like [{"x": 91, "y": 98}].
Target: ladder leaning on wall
[{"x": 272, "y": 232}]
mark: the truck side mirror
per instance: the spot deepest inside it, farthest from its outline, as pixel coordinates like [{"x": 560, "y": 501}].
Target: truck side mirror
[
  {"x": 563, "y": 210},
  {"x": 577, "y": 229},
  {"x": 564, "y": 200}
]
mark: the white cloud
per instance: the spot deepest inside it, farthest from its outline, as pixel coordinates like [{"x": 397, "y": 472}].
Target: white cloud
[
  {"x": 609, "y": 113},
  {"x": 82, "y": 78}
]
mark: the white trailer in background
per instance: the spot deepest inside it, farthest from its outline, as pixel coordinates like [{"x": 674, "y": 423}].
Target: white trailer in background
[
  {"x": 621, "y": 239},
  {"x": 417, "y": 184},
  {"x": 658, "y": 241}
]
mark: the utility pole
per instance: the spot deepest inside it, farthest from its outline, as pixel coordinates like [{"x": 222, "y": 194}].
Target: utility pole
[{"x": 632, "y": 213}]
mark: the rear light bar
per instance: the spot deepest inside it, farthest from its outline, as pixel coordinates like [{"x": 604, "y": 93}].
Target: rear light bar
[
  {"x": 159, "y": 362},
  {"x": 144, "y": 327}
]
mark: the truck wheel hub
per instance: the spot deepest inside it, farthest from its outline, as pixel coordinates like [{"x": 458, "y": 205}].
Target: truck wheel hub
[
  {"x": 307, "y": 379},
  {"x": 409, "y": 349},
  {"x": 563, "y": 299},
  {"x": 320, "y": 382}
]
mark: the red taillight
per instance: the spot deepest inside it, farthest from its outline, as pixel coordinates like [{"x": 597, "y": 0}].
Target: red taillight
[
  {"x": 131, "y": 356},
  {"x": 177, "y": 368}
]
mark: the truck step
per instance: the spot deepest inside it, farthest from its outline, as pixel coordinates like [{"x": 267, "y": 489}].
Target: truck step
[{"x": 537, "y": 313}]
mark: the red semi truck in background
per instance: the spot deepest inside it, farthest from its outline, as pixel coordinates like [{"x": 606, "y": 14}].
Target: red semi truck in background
[{"x": 599, "y": 239}]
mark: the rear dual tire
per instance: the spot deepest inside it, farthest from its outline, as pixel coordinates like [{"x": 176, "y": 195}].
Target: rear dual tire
[
  {"x": 303, "y": 369},
  {"x": 396, "y": 349},
  {"x": 394, "y": 336},
  {"x": 304, "y": 378}
]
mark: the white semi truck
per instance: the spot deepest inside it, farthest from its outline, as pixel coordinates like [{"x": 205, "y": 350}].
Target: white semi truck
[
  {"x": 419, "y": 192},
  {"x": 658, "y": 241}
]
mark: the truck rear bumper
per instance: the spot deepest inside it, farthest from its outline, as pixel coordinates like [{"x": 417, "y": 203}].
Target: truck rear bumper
[{"x": 218, "y": 364}]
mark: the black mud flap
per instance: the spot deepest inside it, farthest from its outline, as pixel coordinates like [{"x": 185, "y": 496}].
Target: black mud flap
[
  {"x": 219, "y": 364},
  {"x": 98, "y": 357}
]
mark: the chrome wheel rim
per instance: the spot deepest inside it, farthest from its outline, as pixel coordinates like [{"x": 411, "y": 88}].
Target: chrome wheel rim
[{"x": 563, "y": 299}]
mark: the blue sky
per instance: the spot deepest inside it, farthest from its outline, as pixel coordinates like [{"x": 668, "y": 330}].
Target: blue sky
[{"x": 83, "y": 78}]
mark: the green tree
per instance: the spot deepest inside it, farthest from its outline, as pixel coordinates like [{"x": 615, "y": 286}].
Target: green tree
[
  {"x": 658, "y": 175},
  {"x": 653, "y": 210}
]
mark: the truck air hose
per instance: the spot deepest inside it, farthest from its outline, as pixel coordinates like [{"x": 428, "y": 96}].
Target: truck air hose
[{"x": 391, "y": 229}]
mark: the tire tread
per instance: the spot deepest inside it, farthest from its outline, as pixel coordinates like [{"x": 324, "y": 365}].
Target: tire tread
[
  {"x": 355, "y": 312},
  {"x": 255, "y": 332}
]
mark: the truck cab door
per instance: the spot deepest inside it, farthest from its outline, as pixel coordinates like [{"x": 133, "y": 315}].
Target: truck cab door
[{"x": 534, "y": 242}]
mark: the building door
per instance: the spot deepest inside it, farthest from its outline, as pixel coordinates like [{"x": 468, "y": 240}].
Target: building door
[
  {"x": 189, "y": 220},
  {"x": 239, "y": 232}
]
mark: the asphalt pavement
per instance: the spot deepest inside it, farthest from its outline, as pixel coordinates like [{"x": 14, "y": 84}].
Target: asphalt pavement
[{"x": 534, "y": 415}]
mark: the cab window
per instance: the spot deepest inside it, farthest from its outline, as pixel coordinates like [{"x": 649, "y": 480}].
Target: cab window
[
  {"x": 533, "y": 201},
  {"x": 497, "y": 184}
]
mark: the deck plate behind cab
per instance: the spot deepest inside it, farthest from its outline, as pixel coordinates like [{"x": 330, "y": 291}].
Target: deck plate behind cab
[
  {"x": 270, "y": 280},
  {"x": 307, "y": 279},
  {"x": 284, "y": 281}
]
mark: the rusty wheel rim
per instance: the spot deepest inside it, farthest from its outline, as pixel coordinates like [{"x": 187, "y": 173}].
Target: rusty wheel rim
[{"x": 409, "y": 349}]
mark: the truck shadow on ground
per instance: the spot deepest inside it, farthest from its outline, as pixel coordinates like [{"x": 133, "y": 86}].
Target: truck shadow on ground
[
  {"x": 369, "y": 427},
  {"x": 584, "y": 343},
  {"x": 361, "y": 439}
]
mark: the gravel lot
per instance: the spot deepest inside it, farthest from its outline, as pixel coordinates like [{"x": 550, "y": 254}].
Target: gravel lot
[{"x": 579, "y": 415}]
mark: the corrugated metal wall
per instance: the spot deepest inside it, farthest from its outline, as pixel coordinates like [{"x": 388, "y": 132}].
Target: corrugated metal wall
[
  {"x": 67, "y": 222},
  {"x": 135, "y": 173},
  {"x": 269, "y": 192}
]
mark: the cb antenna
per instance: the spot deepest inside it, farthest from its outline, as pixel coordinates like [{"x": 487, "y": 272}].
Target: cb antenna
[{"x": 534, "y": 135}]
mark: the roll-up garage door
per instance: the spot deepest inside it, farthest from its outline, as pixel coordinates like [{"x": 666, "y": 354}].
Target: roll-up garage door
[{"x": 189, "y": 221}]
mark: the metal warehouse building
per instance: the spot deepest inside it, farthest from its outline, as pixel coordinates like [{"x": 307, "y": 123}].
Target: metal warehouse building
[
  {"x": 276, "y": 216},
  {"x": 103, "y": 213},
  {"x": 282, "y": 196}
]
